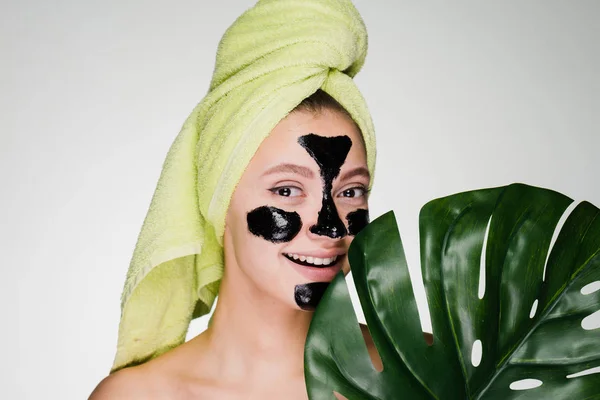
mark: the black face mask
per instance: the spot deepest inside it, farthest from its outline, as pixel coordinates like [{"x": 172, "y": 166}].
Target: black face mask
[{"x": 277, "y": 226}]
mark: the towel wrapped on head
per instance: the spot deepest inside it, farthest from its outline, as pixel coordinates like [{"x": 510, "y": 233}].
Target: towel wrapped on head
[{"x": 274, "y": 56}]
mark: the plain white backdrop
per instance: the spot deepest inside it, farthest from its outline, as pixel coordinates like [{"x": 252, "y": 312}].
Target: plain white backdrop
[{"x": 464, "y": 96}]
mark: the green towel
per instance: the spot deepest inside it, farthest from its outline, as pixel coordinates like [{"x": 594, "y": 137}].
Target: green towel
[{"x": 275, "y": 55}]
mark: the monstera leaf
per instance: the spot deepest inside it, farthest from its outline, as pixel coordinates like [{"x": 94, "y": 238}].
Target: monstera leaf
[{"x": 527, "y": 321}]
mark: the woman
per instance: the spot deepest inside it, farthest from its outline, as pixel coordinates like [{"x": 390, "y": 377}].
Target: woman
[{"x": 264, "y": 187}]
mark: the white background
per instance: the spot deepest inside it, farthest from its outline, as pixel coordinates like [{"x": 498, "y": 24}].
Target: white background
[{"x": 463, "y": 96}]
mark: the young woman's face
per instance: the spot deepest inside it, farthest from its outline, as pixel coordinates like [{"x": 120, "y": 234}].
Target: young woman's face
[{"x": 297, "y": 207}]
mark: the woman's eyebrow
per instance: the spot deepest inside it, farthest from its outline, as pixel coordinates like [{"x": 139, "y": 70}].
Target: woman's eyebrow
[
  {"x": 290, "y": 168},
  {"x": 360, "y": 171}
]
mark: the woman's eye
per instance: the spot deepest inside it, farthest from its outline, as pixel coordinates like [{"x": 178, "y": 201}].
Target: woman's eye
[
  {"x": 353, "y": 192},
  {"x": 287, "y": 191}
]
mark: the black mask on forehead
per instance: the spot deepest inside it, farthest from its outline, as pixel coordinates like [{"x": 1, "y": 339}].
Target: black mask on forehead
[{"x": 329, "y": 153}]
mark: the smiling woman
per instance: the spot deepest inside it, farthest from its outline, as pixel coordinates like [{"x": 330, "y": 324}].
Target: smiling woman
[
  {"x": 260, "y": 197},
  {"x": 291, "y": 219},
  {"x": 297, "y": 196}
]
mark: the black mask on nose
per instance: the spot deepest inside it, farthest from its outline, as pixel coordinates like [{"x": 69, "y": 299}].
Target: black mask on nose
[{"x": 329, "y": 153}]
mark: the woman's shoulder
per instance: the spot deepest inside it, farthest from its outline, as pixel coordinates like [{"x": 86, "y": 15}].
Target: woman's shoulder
[
  {"x": 171, "y": 375},
  {"x": 129, "y": 383},
  {"x": 150, "y": 381}
]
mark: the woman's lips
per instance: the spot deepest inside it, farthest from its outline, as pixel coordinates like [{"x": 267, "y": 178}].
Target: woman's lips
[{"x": 317, "y": 273}]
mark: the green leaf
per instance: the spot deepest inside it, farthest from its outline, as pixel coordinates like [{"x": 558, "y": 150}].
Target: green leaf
[{"x": 520, "y": 222}]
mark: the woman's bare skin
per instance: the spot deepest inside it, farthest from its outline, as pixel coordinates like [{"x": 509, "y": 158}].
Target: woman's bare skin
[
  {"x": 169, "y": 377},
  {"x": 254, "y": 347},
  {"x": 175, "y": 376}
]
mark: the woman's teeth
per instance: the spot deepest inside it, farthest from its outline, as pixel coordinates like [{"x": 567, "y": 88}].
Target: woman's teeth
[{"x": 313, "y": 260}]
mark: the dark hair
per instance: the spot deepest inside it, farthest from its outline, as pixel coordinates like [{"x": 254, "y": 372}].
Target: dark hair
[{"x": 320, "y": 101}]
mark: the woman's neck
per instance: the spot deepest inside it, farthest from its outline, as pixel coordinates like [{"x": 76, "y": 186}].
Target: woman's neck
[{"x": 253, "y": 336}]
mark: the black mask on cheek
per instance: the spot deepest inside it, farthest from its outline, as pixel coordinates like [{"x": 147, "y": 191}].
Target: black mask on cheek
[
  {"x": 329, "y": 153},
  {"x": 357, "y": 220},
  {"x": 274, "y": 224}
]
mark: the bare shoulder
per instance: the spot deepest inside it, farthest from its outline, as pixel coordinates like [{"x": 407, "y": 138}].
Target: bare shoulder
[
  {"x": 130, "y": 383},
  {"x": 172, "y": 375}
]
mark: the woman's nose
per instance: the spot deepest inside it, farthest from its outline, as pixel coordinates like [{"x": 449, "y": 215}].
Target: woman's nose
[{"x": 328, "y": 222}]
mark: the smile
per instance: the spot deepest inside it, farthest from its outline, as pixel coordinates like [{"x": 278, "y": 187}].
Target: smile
[{"x": 311, "y": 261}]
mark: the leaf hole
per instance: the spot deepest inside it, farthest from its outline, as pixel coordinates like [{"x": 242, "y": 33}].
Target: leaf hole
[
  {"x": 373, "y": 352},
  {"x": 526, "y": 384},
  {"x": 364, "y": 329},
  {"x": 482, "y": 261},
  {"x": 428, "y": 338},
  {"x": 591, "y": 322},
  {"x": 590, "y": 288},
  {"x": 339, "y": 396},
  {"x": 356, "y": 306},
  {"x": 533, "y": 309},
  {"x": 476, "y": 353},
  {"x": 557, "y": 230},
  {"x": 589, "y": 371}
]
